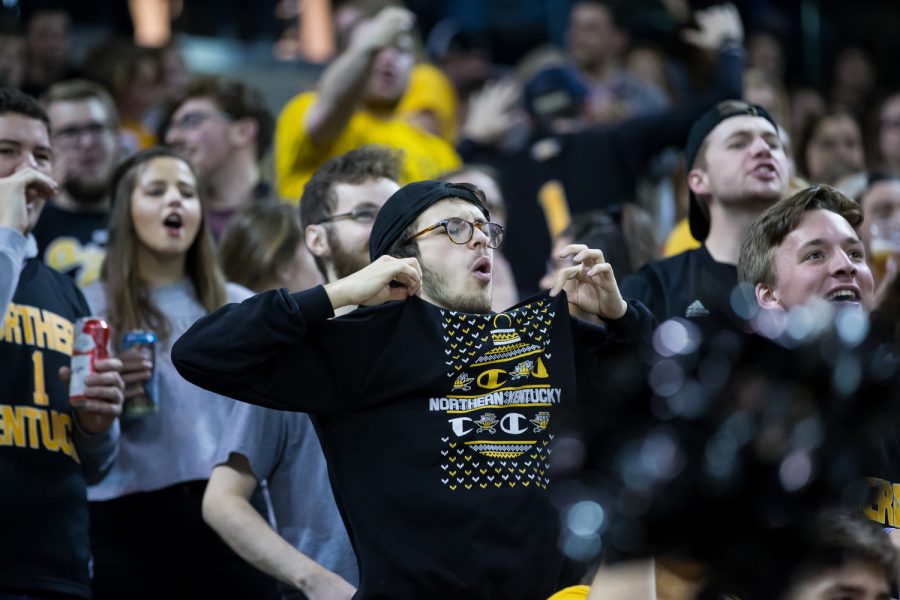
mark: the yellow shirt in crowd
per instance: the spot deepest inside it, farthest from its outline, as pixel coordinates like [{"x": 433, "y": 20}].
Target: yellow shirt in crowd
[
  {"x": 680, "y": 240},
  {"x": 425, "y": 156},
  {"x": 430, "y": 91}
]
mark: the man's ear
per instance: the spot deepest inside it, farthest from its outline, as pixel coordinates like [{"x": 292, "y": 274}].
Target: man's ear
[
  {"x": 698, "y": 181},
  {"x": 317, "y": 241},
  {"x": 244, "y": 132},
  {"x": 767, "y": 297}
]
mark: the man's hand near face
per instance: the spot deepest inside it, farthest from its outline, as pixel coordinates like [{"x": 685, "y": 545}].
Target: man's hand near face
[
  {"x": 372, "y": 284},
  {"x": 590, "y": 285},
  {"x": 16, "y": 191}
]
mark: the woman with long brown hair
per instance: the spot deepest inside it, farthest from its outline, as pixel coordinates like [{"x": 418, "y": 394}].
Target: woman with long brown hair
[{"x": 148, "y": 536}]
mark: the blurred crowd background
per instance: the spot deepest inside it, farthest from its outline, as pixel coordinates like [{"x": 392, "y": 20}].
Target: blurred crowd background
[
  {"x": 824, "y": 69},
  {"x": 823, "y": 53}
]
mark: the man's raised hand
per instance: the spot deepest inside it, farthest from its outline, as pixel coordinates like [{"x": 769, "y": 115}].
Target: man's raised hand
[
  {"x": 386, "y": 28},
  {"x": 590, "y": 284},
  {"x": 372, "y": 285},
  {"x": 18, "y": 190}
]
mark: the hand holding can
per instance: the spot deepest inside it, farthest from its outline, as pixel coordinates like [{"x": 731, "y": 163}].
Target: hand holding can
[
  {"x": 103, "y": 392},
  {"x": 90, "y": 345},
  {"x": 139, "y": 373}
]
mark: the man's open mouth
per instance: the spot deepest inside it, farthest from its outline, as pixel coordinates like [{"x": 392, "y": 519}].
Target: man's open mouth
[{"x": 843, "y": 295}]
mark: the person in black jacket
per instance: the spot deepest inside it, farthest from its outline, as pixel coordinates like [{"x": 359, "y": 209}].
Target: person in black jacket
[
  {"x": 435, "y": 415},
  {"x": 737, "y": 168}
]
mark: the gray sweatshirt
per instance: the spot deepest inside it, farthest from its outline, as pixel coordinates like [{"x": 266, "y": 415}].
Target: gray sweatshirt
[{"x": 177, "y": 444}]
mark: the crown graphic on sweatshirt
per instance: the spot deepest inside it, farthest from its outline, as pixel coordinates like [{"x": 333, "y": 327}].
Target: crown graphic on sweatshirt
[{"x": 502, "y": 336}]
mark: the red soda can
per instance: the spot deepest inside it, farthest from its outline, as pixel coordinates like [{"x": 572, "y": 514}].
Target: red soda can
[{"x": 91, "y": 339}]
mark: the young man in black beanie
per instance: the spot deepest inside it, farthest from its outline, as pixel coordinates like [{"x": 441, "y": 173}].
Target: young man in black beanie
[
  {"x": 737, "y": 168},
  {"x": 435, "y": 415}
]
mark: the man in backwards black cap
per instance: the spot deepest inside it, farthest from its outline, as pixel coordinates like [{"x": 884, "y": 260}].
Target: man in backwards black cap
[
  {"x": 736, "y": 169},
  {"x": 435, "y": 415}
]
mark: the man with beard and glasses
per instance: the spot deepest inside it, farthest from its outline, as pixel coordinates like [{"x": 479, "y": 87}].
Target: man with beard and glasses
[
  {"x": 310, "y": 553},
  {"x": 435, "y": 415},
  {"x": 340, "y": 203},
  {"x": 71, "y": 233}
]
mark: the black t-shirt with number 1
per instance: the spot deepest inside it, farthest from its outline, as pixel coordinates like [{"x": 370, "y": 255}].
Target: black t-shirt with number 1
[{"x": 44, "y": 524}]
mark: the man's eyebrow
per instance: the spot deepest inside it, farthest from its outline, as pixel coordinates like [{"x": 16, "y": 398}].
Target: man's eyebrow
[
  {"x": 751, "y": 132},
  {"x": 815, "y": 242},
  {"x": 739, "y": 133},
  {"x": 19, "y": 144},
  {"x": 845, "y": 588},
  {"x": 854, "y": 241}
]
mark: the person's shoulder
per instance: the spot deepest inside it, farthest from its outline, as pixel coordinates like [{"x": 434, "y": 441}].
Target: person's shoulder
[
  {"x": 245, "y": 415},
  {"x": 52, "y": 210},
  {"x": 678, "y": 263},
  {"x": 658, "y": 279},
  {"x": 386, "y": 309},
  {"x": 62, "y": 284},
  {"x": 235, "y": 292},
  {"x": 665, "y": 268},
  {"x": 54, "y": 277},
  {"x": 299, "y": 103},
  {"x": 95, "y": 294}
]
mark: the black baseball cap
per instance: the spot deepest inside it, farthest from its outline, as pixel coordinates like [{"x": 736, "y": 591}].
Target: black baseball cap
[
  {"x": 407, "y": 203},
  {"x": 556, "y": 91},
  {"x": 698, "y": 215}
]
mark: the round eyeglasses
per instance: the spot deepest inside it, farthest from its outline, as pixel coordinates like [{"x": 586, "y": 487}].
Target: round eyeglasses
[{"x": 461, "y": 231}]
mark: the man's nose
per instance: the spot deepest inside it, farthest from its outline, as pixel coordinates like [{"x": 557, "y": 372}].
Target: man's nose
[
  {"x": 842, "y": 264},
  {"x": 479, "y": 237},
  {"x": 173, "y": 196},
  {"x": 760, "y": 146}
]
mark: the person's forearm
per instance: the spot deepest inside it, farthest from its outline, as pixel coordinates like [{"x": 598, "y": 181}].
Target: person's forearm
[
  {"x": 12, "y": 253},
  {"x": 98, "y": 451},
  {"x": 248, "y": 534},
  {"x": 636, "y": 324},
  {"x": 254, "y": 351},
  {"x": 340, "y": 87},
  {"x": 649, "y": 135}
]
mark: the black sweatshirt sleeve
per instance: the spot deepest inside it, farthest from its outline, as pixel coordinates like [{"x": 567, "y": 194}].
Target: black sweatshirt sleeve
[
  {"x": 637, "y": 324},
  {"x": 642, "y": 138},
  {"x": 632, "y": 328},
  {"x": 260, "y": 351}
]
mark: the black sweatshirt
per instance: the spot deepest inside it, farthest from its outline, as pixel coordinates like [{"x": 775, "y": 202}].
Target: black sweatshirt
[{"x": 436, "y": 425}]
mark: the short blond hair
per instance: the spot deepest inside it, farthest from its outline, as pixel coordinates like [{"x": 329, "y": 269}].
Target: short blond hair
[{"x": 75, "y": 90}]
